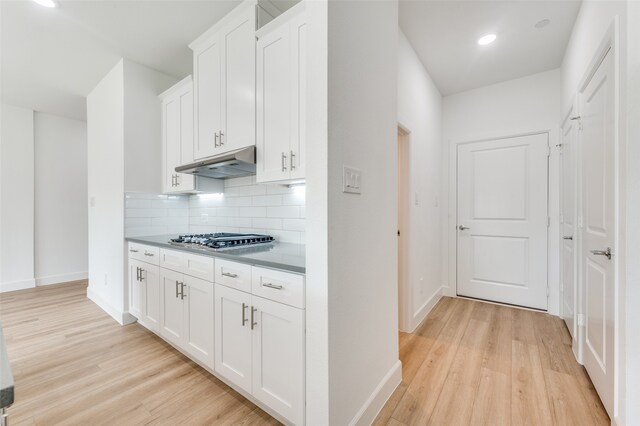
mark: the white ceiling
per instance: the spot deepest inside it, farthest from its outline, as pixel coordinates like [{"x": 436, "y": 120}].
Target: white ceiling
[
  {"x": 445, "y": 33},
  {"x": 52, "y": 58}
]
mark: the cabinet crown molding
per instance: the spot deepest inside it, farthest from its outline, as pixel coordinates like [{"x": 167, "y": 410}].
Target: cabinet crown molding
[{"x": 204, "y": 40}]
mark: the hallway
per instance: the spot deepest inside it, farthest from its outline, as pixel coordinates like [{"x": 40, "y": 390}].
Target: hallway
[{"x": 478, "y": 363}]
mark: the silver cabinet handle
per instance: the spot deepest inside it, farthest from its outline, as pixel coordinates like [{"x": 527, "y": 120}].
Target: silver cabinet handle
[
  {"x": 567, "y": 238},
  {"x": 215, "y": 139},
  {"x": 293, "y": 163},
  {"x": 177, "y": 293},
  {"x": 227, "y": 274},
  {"x": 462, "y": 228},
  {"x": 276, "y": 286},
  {"x": 173, "y": 180},
  {"x": 253, "y": 323},
  {"x": 244, "y": 315},
  {"x": 141, "y": 275},
  {"x": 137, "y": 273},
  {"x": 133, "y": 251},
  {"x": 182, "y": 295},
  {"x": 284, "y": 162},
  {"x": 606, "y": 252},
  {"x": 221, "y": 135},
  {"x": 146, "y": 253}
]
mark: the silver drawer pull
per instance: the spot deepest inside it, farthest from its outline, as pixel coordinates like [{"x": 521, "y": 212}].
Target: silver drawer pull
[
  {"x": 227, "y": 274},
  {"x": 276, "y": 286},
  {"x": 244, "y": 316},
  {"x": 253, "y": 311},
  {"x": 148, "y": 254},
  {"x": 133, "y": 251}
]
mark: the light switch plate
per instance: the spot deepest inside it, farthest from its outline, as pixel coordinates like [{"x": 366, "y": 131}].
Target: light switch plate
[{"x": 351, "y": 180}]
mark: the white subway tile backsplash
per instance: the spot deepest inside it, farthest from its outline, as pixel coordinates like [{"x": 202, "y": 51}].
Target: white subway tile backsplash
[{"x": 246, "y": 206}]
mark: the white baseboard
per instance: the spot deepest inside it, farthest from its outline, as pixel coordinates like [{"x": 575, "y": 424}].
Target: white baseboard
[
  {"x": 62, "y": 278},
  {"x": 122, "y": 318},
  {"x": 381, "y": 394},
  {"x": 17, "y": 285},
  {"x": 423, "y": 311}
]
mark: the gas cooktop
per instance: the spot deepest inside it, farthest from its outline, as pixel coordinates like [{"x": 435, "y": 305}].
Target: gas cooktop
[{"x": 221, "y": 240}]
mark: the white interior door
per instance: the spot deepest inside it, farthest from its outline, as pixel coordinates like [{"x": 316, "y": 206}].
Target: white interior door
[
  {"x": 568, "y": 213},
  {"x": 502, "y": 220},
  {"x": 597, "y": 140}
]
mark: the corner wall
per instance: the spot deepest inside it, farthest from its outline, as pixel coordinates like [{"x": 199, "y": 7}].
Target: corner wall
[
  {"x": 362, "y": 254},
  {"x": 419, "y": 112},
  {"x": 60, "y": 199},
  {"x": 16, "y": 198}
]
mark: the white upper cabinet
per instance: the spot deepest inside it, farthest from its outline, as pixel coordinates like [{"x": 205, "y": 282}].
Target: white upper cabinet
[
  {"x": 177, "y": 136},
  {"x": 224, "y": 84},
  {"x": 280, "y": 97}
]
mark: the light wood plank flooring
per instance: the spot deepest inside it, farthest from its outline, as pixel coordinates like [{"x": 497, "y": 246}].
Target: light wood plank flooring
[
  {"x": 475, "y": 363},
  {"x": 73, "y": 364}
]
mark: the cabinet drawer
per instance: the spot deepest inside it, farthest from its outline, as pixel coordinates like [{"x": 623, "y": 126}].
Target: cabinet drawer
[
  {"x": 278, "y": 286},
  {"x": 198, "y": 266},
  {"x": 149, "y": 254},
  {"x": 233, "y": 274},
  {"x": 172, "y": 259}
]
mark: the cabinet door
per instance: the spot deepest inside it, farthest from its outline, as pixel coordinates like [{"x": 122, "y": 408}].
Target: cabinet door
[
  {"x": 136, "y": 289},
  {"x": 208, "y": 99},
  {"x": 239, "y": 82},
  {"x": 198, "y": 322},
  {"x": 233, "y": 336},
  {"x": 171, "y": 142},
  {"x": 186, "y": 182},
  {"x": 171, "y": 309},
  {"x": 274, "y": 100},
  {"x": 151, "y": 310},
  {"x": 278, "y": 358},
  {"x": 299, "y": 109}
]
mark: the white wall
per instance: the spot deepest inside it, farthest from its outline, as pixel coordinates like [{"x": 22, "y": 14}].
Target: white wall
[
  {"x": 60, "y": 199},
  {"x": 520, "y": 106},
  {"x": 105, "y": 154},
  {"x": 16, "y": 198},
  {"x": 594, "y": 21},
  {"x": 420, "y": 112},
  {"x": 362, "y": 133}
]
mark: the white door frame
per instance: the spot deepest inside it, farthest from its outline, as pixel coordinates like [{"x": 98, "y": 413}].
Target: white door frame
[
  {"x": 610, "y": 43},
  {"x": 553, "y": 231},
  {"x": 405, "y": 297},
  {"x": 571, "y": 111}
]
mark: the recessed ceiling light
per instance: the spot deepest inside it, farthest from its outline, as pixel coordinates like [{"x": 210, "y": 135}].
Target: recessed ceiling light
[
  {"x": 489, "y": 38},
  {"x": 46, "y": 3},
  {"x": 542, "y": 24}
]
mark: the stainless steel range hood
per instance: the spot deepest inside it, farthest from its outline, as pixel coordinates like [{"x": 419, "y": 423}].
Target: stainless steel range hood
[{"x": 241, "y": 162}]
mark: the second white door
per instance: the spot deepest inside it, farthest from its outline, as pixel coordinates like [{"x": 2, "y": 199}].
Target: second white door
[{"x": 503, "y": 220}]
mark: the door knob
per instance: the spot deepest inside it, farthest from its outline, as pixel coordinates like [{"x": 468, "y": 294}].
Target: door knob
[
  {"x": 606, "y": 252},
  {"x": 462, "y": 228}
]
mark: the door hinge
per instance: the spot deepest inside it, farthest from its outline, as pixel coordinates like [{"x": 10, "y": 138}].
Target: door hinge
[
  {"x": 580, "y": 320},
  {"x": 547, "y": 291},
  {"x": 548, "y": 221}
]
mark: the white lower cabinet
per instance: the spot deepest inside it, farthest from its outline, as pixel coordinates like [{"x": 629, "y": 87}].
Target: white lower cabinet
[
  {"x": 260, "y": 348},
  {"x": 233, "y": 336},
  {"x": 248, "y": 327},
  {"x": 144, "y": 282},
  {"x": 187, "y": 314}
]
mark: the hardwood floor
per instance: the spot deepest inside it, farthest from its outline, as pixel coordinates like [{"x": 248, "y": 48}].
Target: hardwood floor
[
  {"x": 469, "y": 363},
  {"x": 474, "y": 363},
  {"x": 73, "y": 364}
]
